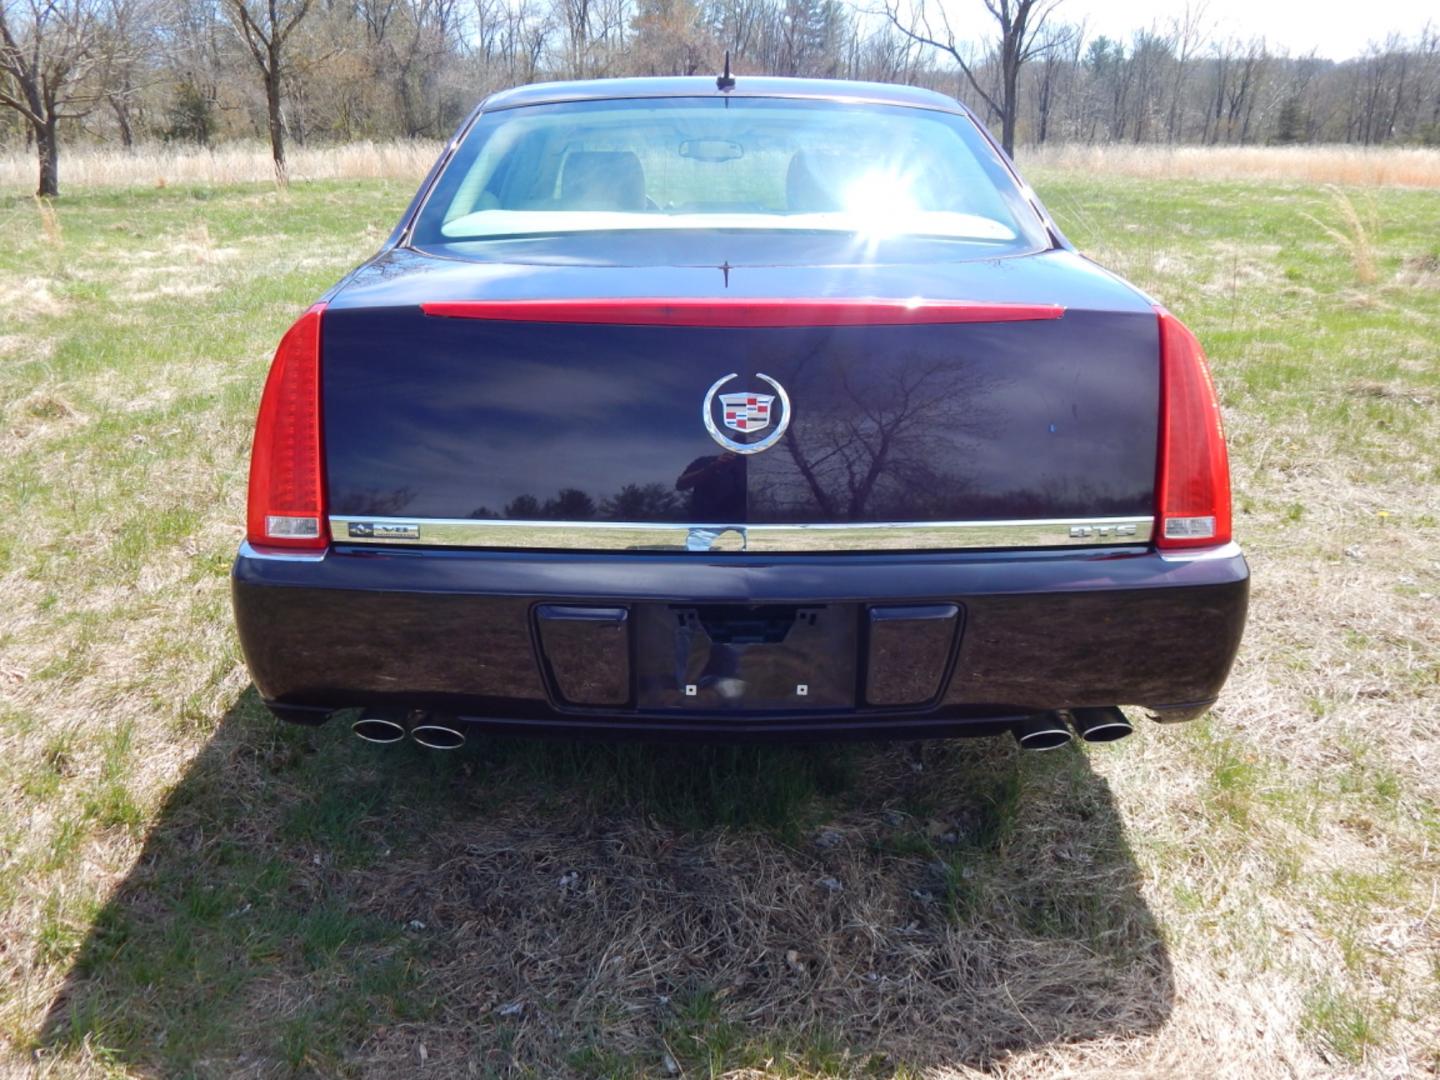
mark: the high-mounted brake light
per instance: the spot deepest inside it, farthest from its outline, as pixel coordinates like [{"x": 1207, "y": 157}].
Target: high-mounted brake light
[
  {"x": 764, "y": 313},
  {"x": 1193, "y": 484},
  {"x": 287, "y": 480}
]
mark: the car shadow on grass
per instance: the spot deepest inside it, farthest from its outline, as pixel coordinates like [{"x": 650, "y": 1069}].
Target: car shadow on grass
[{"x": 309, "y": 903}]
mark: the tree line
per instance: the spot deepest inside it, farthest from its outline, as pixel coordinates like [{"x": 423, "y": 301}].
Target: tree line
[{"x": 296, "y": 71}]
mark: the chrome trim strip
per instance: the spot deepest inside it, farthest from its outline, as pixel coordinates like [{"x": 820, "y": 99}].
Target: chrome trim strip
[
  {"x": 648, "y": 536},
  {"x": 249, "y": 552},
  {"x": 1223, "y": 551}
]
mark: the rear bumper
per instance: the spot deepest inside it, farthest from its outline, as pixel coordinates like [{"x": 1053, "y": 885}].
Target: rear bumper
[{"x": 458, "y": 631}]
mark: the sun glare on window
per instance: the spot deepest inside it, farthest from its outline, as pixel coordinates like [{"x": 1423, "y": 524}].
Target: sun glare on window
[{"x": 881, "y": 204}]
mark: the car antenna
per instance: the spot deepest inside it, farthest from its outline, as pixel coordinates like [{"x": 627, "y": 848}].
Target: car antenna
[{"x": 725, "y": 81}]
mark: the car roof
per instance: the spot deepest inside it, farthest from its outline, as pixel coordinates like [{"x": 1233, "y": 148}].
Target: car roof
[{"x": 705, "y": 86}]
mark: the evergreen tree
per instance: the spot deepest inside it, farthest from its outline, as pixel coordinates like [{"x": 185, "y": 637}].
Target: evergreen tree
[{"x": 1291, "y": 123}]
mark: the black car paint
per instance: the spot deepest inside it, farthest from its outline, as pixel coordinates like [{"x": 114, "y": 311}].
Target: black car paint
[
  {"x": 452, "y": 630},
  {"x": 457, "y": 630}
]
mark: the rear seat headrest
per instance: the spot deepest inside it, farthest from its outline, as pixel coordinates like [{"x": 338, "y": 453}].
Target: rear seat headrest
[{"x": 602, "y": 180}]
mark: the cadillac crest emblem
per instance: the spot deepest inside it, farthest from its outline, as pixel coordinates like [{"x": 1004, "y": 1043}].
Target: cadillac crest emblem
[{"x": 747, "y": 412}]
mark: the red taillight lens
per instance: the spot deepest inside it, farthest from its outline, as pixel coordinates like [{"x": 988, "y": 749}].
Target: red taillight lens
[
  {"x": 287, "y": 480},
  {"x": 1193, "y": 485}
]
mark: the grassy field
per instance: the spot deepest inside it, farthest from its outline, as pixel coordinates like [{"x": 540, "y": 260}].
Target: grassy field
[
  {"x": 167, "y": 164},
  {"x": 186, "y": 889}
]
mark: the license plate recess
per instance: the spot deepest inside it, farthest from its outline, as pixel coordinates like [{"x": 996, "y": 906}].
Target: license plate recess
[{"x": 746, "y": 658}]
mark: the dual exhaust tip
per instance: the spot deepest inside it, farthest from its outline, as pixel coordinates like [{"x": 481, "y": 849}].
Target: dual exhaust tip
[
  {"x": 426, "y": 729},
  {"x": 1047, "y": 731}
]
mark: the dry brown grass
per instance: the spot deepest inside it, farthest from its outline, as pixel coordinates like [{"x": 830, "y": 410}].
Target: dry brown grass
[
  {"x": 1355, "y": 234},
  {"x": 1352, "y": 166},
  {"x": 579, "y": 916},
  {"x": 234, "y": 163},
  {"x": 49, "y": 222}
]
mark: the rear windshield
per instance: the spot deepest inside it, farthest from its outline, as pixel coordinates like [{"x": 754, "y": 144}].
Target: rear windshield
[{"x": 755, "y": 164}]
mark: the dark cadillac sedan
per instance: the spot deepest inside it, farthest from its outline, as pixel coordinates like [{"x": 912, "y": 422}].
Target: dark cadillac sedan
[{"x": 779, "y": 409}]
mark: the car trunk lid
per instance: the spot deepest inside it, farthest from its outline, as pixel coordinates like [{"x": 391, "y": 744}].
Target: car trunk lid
[{"x": 446, "y": 407}]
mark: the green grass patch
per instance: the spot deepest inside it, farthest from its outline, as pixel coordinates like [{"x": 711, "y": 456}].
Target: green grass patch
[{"x": 1344, "y": 1024}]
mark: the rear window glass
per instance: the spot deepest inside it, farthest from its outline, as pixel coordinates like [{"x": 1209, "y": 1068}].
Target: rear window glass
[{"x": 735, "y": 164}]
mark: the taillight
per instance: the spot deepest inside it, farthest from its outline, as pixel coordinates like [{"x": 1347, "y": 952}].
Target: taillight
[
  {"x": 287, "y": 480},
  {"x": 1193, "y": 484}
]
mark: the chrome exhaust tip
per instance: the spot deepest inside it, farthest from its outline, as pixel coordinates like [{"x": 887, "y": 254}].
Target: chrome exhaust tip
[
  {"x": 1105, "y": 724},
  {"x": 1043, "y": 731},
  {"x": 381, "y": 728},
  {"x": 435, "y": 733}
]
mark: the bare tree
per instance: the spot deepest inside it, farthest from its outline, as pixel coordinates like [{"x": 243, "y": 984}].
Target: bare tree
[
  {"x": 265, "y": 26},
  {"x": 1060, "y": 48},
  {"x": 191, "y": 41},
  {"x": 508, "y": 39},
  {"x": 407, "y": 40},
  {"x": 881, "y": 438},
  {"x": 738, "y": 24},
  {"x": 884, "y": 56},
  {"x": 1020, "y": 23},
  {"x": 594, "y": 34},
  {"x": 129, "y": 30},
  {"x": 131, "y": 70},
  {"x": 1243, "y": 90},
  {"x": 669, "y": 38},
  {"x": 48, "y": 51},
  {"x": 1149, "y": 55},
  {"x": 1187, "y": 33}
]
